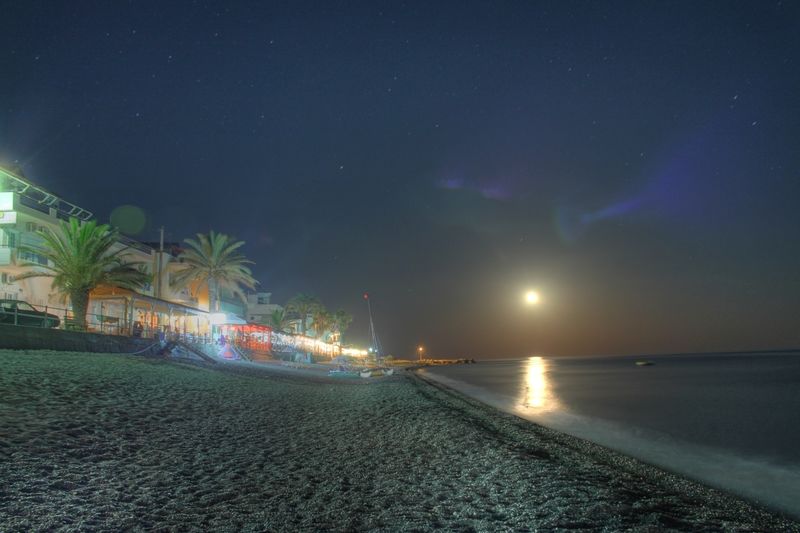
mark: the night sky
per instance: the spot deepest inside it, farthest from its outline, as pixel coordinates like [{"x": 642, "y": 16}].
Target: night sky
[{"x": 635, "y": 162}]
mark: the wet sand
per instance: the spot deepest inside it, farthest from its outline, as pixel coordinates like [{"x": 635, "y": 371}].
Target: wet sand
[{"x": 96, "y": 442}]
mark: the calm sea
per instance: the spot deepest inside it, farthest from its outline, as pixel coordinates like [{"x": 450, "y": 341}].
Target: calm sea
[{"x": 729, "y": 420}]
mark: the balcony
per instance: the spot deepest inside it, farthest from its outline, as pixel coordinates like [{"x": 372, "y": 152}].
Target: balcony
[
  {"x": 34, "y": 243},
  {"x": 31, "y": 239},
  {"x": 185, "y": 300},
  {"x": 136, "y": 245},
  {"x": 233, "y": 307},
  {"x": 10, "y": 254},
  {"x": 29, "y": 257}
]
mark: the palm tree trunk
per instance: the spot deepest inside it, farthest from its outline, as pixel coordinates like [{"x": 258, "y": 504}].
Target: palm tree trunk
[
  {"x": 80, "y": 304},
  {"x": 213, "y": 289}
]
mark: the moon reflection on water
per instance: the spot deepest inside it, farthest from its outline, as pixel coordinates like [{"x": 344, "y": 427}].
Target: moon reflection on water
[{"x": 536, "y": 390}]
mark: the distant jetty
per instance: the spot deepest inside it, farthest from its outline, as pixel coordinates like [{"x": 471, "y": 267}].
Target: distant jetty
[{"x": 432, "y": 362}]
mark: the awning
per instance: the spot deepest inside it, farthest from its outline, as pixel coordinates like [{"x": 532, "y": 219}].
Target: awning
[{"x": 226, "y": 319}]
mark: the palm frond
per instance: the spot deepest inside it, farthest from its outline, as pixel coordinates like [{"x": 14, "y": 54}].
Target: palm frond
[
  {"x": 80, "y": 257},
  {"x": 212, "y": 260}
]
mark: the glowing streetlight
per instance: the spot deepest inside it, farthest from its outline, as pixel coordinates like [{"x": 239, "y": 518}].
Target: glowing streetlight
[
  {"x": 420, "y": 349},
  {"x": 531, "y": 297}
]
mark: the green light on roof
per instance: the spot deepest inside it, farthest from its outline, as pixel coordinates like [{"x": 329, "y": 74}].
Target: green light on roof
[{"x": 6, "y": 201}]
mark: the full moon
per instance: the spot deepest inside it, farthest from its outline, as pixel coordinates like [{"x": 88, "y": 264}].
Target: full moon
[{"x": 532, "y": 297}]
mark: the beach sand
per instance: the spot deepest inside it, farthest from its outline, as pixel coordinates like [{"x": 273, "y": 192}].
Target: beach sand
[{"x": 110, "y": 442}]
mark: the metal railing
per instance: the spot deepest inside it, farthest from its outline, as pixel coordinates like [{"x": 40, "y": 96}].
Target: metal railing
[
  {"x": 63, "y": 318},
  {"x": 37, "y": 198},
  {"x": 136, "y": 245}
]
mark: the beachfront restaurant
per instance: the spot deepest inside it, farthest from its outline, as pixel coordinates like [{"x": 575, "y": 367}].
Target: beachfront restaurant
[
  {"x": 317, "y": 346},
  {"x": 116, "y": 311},
  {"x": 284, "y": 344},
  {"x": 254, "y": 337}
]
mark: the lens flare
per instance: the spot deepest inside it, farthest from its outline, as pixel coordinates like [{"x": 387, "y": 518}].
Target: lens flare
[{"x": 129, "y": 219}]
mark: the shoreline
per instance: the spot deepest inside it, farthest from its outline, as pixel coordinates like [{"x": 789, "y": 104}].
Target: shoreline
[
  {"x": 517, "y": 427},
  {"x": 634, "y": 413},
  {"x": 113, "y": 442}
]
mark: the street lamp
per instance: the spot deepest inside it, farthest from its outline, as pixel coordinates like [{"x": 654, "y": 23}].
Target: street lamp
[{"x": 420, "y": 349}]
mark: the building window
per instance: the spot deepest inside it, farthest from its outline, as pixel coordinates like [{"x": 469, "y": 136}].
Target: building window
[
  {"x": 8, "y": 239},
  {"x": 33, "y": 258},
  {"x": 263, "y": 300}
]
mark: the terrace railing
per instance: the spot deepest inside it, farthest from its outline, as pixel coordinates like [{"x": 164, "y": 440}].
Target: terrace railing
[{"x": 63, "y": 318}]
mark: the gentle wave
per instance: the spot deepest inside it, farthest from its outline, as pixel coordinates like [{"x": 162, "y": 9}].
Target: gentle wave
[{"x": 535, "y": 389}]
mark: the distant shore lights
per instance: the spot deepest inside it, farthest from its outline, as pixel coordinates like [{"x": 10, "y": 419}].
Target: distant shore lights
[{"x": 355, "y": 352}]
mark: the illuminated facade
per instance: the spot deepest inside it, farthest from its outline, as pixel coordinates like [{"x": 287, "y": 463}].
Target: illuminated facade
[
  {"x": 259, "y": 307},
  {"x": 26, "y": 208}
]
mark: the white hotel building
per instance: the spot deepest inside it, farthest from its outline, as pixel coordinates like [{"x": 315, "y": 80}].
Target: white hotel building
[{"x": 26, "y": 208}]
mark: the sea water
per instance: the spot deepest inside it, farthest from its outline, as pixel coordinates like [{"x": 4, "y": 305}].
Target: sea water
[{"x": 729, "y": 420}]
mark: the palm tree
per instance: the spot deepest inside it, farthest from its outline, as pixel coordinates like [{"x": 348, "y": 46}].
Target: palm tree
[
  {"x": 321, "y": 321},
  {"x": 82, "y": 260},
  {"x": 303, "y": 304},
  {"x": 279, "y": 320},
  {"x": 340, "y": 321},
  {"x": 212, "y": 260}
]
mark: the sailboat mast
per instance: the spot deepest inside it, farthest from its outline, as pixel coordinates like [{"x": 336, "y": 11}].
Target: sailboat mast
[{"x": 372, "y": 334}]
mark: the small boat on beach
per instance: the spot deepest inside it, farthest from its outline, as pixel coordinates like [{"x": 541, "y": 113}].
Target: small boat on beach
[{"x": 343, "y": 373}]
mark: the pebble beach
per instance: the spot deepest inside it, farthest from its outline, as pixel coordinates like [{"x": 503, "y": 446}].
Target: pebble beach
[{"x": 111, "y": 442}]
